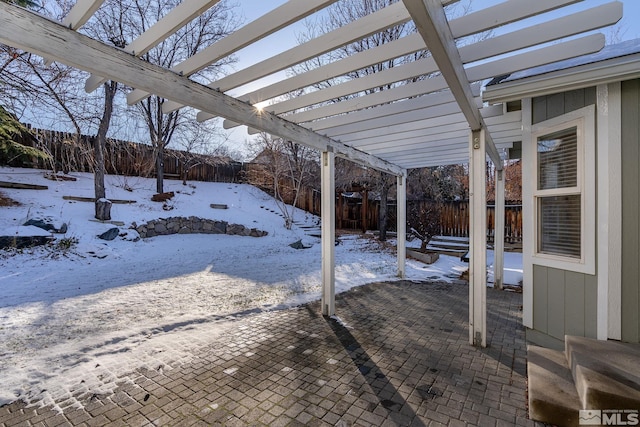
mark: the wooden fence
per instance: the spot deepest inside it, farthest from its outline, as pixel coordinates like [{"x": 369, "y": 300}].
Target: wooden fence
[
  {"x": 70, "y": 152},
  {"x": 454, "y": 219}
]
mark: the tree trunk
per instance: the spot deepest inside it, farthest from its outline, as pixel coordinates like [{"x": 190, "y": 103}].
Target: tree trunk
[
  {"x": 100, "y": 143},
  {"x": 382, "y": 226},
  {"x": 103, "y": 209},
  {"x": 160, "y": 169}
]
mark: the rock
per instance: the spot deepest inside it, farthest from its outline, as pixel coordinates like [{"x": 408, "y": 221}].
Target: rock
[
  {"x": 41, "y": 224},
  {"x": 161, "y": 228},
  {"x": 298, "y": 245},
  {"x": 110, "y": 234}
]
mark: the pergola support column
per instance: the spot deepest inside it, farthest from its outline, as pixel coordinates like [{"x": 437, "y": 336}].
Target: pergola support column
[
  {"x": 401, "y": 227},
  {"x": 328, "y": 213},
  {"x": 477, "y": 240},
  {"x": 498, "y": 233}
]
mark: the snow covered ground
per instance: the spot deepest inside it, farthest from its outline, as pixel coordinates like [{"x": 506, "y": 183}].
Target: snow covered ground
[{"x": 83, "y": 316}]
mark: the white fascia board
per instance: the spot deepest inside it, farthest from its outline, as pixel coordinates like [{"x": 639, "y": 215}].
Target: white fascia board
[
  {"x": 179, "y": 16},
  {"x": 587, "y": 75},
  {"x": 280, "y": 17}
]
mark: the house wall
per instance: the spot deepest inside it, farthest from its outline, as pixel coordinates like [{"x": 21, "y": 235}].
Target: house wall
[
  {"x": 564, "y": 302},
  {"x": 630, "y": 210}
]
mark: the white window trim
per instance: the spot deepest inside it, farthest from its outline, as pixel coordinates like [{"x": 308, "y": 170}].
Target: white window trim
[{"x": 584, "y": 120}]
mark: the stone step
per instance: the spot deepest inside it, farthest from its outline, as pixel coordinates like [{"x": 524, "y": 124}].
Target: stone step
[
  {"x": 553, "y": 398},
  {"x": 606, "y": 373}
]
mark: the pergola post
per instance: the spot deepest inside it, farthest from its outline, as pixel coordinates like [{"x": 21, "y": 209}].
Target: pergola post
[
  {"x": 401, "y": 227},
  {"x": 498, "y": 233},
  {"x": 477, "y": 240},
  {"x": 328, "y": 214}
]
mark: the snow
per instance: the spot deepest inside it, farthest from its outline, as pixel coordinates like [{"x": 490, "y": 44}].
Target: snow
[{"x": 75, "y": 320}]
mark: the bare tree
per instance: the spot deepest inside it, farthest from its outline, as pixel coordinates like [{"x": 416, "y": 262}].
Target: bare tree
[
  {"x": 201, "y": 144},
  {"x": 285, "y": 168},
  {"x": 207, "y": 28}
]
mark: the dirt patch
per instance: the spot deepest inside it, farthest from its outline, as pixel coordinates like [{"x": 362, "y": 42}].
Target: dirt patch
[{"x": 7, "y": 201}]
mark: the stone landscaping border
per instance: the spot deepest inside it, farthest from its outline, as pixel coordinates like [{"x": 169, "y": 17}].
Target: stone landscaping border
[{"x": 194, "y": 225}]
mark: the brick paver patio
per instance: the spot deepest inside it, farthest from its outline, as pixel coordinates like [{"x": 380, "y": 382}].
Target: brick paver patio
[{"x": 400, "y": 356}]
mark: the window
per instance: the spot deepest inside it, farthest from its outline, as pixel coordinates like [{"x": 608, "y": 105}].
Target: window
[{"x": 564, "y": 199}]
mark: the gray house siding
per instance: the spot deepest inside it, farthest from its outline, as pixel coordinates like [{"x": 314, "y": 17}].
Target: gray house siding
[
  {"x": 630, "y": 210},
  {"x": 564, "y": 302},
  {"x": 550, "y": 106}
]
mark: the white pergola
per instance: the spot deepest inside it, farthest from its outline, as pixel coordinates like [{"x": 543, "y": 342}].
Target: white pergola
[{"x": 433, "y": 115}]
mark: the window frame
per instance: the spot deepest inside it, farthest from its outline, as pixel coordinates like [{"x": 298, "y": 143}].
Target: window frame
[{"x": 584, "y": 121}]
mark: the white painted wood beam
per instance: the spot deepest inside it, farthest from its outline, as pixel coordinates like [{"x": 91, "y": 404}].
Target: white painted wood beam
[
  {"x": 432, "y": 24},
  {"x": 269, "y": 23},
  {"x": 408, "y": 137},
  {"x": 494, "y": 46},
  {"x": 528, "y": 232},
  {"x": 477, "y": 240},
  {"x": 452, "y": 116},
  {"x": 25, "y": 30},
  {"x": 328, "y": 233},
  {"x": 178, "y": 17},
  {"x": 502, "y": 130},
  {"x": 609, "y": 268},
  {"x": 410, "y": 116},
  {"x": 442, "y": 142},
  {"x": 498, "y": 236},
  {"x": 390, "y": 110},
  {"x": 472, "y": 23},
  {"x": 475, "y": 22},
  {"x": 511, "y": 64},
  {"x": 363, "y": 27},
  {"x": 446, "y": 148},
  {"x": 401, "y": 225},
  {"x": 80, "y": 13}
]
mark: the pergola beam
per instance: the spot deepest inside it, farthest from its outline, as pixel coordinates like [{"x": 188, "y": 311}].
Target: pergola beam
[
  {"x": 288, "y": 13},
  {"x": 179, "y": 16},
  {"x": 80, "y": 13},
  {"x": 25, "y": 30},
  {"x": 475, "y": 22},
  {"x": 389, "y": 16},
  {"x": 431, "y": 22}
]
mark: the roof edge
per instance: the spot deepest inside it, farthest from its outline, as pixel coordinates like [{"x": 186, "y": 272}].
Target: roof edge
[{"x": 625, "y": 67}]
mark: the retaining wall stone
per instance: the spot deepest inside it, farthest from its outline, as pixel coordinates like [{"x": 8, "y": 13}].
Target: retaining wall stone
[{"x": 193, "y": 225}]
